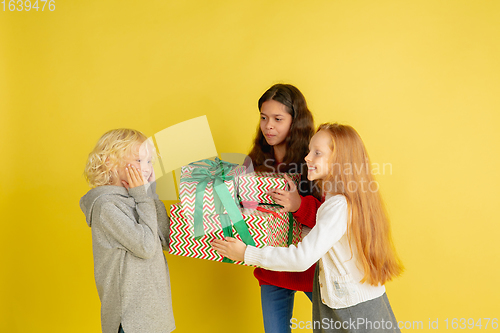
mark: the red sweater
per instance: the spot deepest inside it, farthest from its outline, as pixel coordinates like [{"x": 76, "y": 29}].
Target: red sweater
[{"x": 301, "y": 281}]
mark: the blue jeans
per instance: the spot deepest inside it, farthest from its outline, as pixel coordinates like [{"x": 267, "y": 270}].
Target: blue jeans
[{"x": 277, "y": 308}]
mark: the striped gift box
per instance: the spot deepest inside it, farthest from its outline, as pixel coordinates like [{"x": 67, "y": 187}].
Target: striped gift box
[
  {"x": 254, "y": 186},
  {"x": 266, "y": 229},
  {"x": 187, "y": 190}
]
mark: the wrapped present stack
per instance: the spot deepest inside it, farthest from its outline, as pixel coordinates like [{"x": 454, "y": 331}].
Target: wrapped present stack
[
  {"x": 209, "y": 209},
  {"x": 253, "y": 187}
]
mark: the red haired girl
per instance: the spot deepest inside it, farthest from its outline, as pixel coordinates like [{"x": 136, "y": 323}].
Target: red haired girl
[{"x": 351, "y": 239}]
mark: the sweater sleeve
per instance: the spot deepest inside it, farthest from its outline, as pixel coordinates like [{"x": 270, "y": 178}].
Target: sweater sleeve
[
  {"x": 138, "y": 237},
  {"x": 331, "y": 225},
  {"x": 306, "y": 214},
  {"x": 163, "y": 224}
]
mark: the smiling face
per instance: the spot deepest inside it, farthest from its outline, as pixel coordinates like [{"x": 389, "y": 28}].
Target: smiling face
[
  {"x": 275, "y": 122},
  {"x": 319, "y": 156},
  {"x": 141, "y": 159}
]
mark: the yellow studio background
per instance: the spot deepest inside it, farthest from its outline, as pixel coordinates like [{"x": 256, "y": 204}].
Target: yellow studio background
[{"x": 419, "y": 80}]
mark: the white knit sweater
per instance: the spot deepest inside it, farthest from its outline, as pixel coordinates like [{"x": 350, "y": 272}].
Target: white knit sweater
[{"x": 339, "y": 274}]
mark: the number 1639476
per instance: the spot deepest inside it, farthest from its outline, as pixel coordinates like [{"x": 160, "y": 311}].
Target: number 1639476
[{"x": 27, "y": 5}]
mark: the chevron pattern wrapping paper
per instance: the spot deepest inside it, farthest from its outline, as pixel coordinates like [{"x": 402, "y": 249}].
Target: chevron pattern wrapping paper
[
  {"x": 254, "y": 186},
  {"x": 187, "y": 190},
  {"x": 265, "y": 229}
]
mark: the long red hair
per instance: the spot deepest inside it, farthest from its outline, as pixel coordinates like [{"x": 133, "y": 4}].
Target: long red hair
[{"x": 369, "y": 228}]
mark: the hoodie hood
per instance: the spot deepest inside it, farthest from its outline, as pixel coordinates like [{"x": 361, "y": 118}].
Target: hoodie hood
[{"x": 87, "y": 202}]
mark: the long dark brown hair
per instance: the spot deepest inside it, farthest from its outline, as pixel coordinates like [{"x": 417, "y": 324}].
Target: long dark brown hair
[{"x": 297, "y": 140}]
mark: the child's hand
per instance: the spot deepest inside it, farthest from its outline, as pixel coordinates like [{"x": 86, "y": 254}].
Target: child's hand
[
  {"x": 134, "y": 177},
  {"x": 290, "y": 200},
  {"x": 152, "y": 176},
  {"x": 151, "y": 185},
  {"x": 231, "y": 248}
]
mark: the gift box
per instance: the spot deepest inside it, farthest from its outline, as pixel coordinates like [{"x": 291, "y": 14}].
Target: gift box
[
  {"x": 266, "y": 226},
  {"x": 201, "y": 177},
  {"x": 253, "y": 187}
]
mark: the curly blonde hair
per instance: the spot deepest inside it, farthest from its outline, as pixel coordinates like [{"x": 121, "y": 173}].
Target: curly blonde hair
[{"x": 110, "y": 151}]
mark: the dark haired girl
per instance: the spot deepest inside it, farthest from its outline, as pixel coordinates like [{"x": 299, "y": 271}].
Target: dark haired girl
[{"x": 282, "y": 140}]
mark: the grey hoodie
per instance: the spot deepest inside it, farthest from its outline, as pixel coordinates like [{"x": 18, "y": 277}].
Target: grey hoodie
[{"x": 129, "y": 229}]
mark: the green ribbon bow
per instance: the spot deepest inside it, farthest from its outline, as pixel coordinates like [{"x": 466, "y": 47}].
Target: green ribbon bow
[{"x": 217, "y": 171}]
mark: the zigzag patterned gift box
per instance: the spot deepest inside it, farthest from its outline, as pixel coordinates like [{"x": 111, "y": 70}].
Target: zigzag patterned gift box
[
  {"x": 265, "y": 228},
  {"x": 188, "y": 185},
  {"x": 254, "y": 186}
]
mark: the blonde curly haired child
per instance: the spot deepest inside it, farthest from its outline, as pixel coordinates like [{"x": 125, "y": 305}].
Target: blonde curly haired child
[{"x": 130, "y": 229}]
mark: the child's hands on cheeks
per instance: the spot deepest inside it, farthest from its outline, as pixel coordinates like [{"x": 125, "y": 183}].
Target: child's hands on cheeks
[
  {"x": 231, "y": 248},
  {"x": 152, "y": 176},
  {"x": 290, "y": 200},
  {"x": 134, "y": 177}
]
